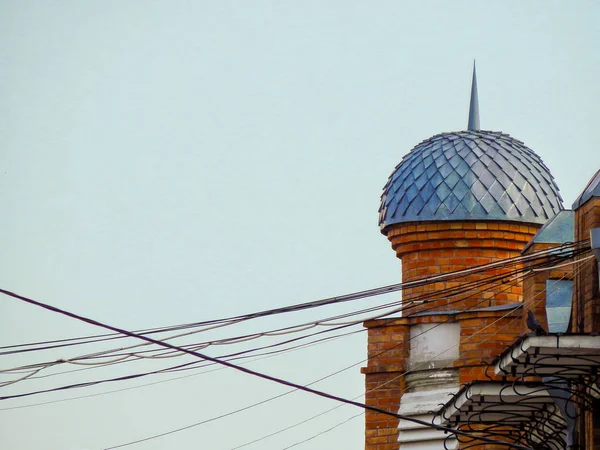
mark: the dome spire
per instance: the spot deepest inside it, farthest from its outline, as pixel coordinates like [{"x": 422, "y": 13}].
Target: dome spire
[{"x": 474, "y": 107}]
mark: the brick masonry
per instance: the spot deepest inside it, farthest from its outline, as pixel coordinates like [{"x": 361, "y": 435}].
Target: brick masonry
[
  {"x": 387, "y": 350},
  {"x": 586, "y": 306},
  {"x": 434, "y": 248},
  {"x": 483, "y": 336}
]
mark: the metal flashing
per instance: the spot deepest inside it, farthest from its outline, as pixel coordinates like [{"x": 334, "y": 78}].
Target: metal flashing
[
  {"x": 559, "y": 299},
  {"x": 595, "y": 242},
  {"x": 453, "y": 312},
  {"x": 558, "y": 230},
  {"x": 591, "y": 190}
]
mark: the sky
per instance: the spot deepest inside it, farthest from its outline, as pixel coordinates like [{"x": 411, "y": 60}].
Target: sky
[{"x": 171, "y": 162}]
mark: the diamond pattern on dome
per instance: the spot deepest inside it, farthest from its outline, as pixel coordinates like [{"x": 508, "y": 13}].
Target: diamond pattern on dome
[{"x": 470, "y": 175}]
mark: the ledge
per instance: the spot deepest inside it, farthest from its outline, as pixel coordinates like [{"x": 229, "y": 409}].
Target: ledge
[{"x": 559, "y": 355}]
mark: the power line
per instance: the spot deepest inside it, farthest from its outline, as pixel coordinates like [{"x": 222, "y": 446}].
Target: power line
[
  {"x": 179, "y": 368},
  {"x": 246, "y": 370},
  {"x": 327, "y": 411},
  {"x": 562, "y": 249},
  {"x": 176, "y": 368},
  {"x": 212, "y": 419},
  {"x": 120, "y": 359},
  {"x": 321, "y": 413},
  {"x": 290, "y": 329},
  {"x": 232, "y": 356},
  {"x": 31, "y": 375},
  {"x": 325, "y": 431},
  {"x": 529, "y": 271},
  {"x": 264, "y": 356},
  {"x": 374, "y": 389},
  {"x": 580, "y": 261}
]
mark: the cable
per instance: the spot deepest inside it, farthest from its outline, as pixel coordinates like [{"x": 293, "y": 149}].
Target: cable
[
  {"x": 169, "y": 369},
  {"x": 376, "y": 388},
  {"x": 325, "y": 431},
  {"x": 354, "y": 365},
  {"x": 294, "y": 328},
  {"x": 586, "y": 258},
  {"x": 313, "y": 304},
  {"x": 242, "y": 369},
  {"x": 259, "y": 334},
  {"x": 262, "y": 438},
  {"x": 120, "y": 378},
  {"x": 580, "y": 261},
  {"x": 285, "y": 330},
  {"x": 177, "y": 368},
  {"x": 232, "y": 356},
  {"x": 264, "y": 356},
  {"x": 196, "y": 346},
  {"x": 219, "y": 417}
]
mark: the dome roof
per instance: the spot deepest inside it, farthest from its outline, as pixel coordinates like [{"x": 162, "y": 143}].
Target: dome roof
[{"x": 470, "y": 175}]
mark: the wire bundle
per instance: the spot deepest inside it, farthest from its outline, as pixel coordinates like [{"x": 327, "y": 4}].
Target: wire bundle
[{"x": 158, "y": 348}]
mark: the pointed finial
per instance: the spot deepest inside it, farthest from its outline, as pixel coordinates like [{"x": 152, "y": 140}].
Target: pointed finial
[{"x": 474, "y": 107}]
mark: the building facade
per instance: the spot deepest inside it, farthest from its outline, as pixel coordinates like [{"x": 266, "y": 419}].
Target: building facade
[{"x": 478, "y": 222}]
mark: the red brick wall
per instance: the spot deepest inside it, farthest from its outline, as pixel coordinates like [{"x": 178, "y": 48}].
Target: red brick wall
[
  {"x": 586, "y": 301},
  {"x": 433, "y": 248},
  {"x": 387, "y": 349},
  {"x": 429, "y": 249},
  {"x": 587, "y": 304},
  {"x": 483, "y": 336}
]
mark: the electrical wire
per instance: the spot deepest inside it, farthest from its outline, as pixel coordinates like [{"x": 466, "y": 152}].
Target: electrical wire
[
  {"x": 325, "y": 431},
  {"x": 196, "y": 346},
  {"x": 237, "y": 339},
  {"x": 285, "y": 330},
  {"x": 244, "y": 369},
  {"x": 212, "y": 419},
  {"x": 177, "y": 368},
  {"x": 579, "y": 262},
  {"x": 260, "y": 357},
  {"x": 374, "y": 389},
  {"x": 133, "y": 376},
  {"x": 307, "y": 305},
  {"x": 288, "y": 427},
  {"x": 229, "y": 340},
  {"x": 564, "y": 264},
  {"x": 90, "y": 383},
  {"x": 232, "y": 356},
  {"x": 336, "y": 407}
]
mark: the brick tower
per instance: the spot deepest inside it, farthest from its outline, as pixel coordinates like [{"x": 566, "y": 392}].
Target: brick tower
[{"x": 456, "y": 201}]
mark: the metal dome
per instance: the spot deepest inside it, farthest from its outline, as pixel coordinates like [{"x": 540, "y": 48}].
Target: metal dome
[{"x": 470, "y": 175}]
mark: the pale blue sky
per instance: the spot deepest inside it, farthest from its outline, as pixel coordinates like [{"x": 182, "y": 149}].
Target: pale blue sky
[{"x": 167, "y": 162}]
